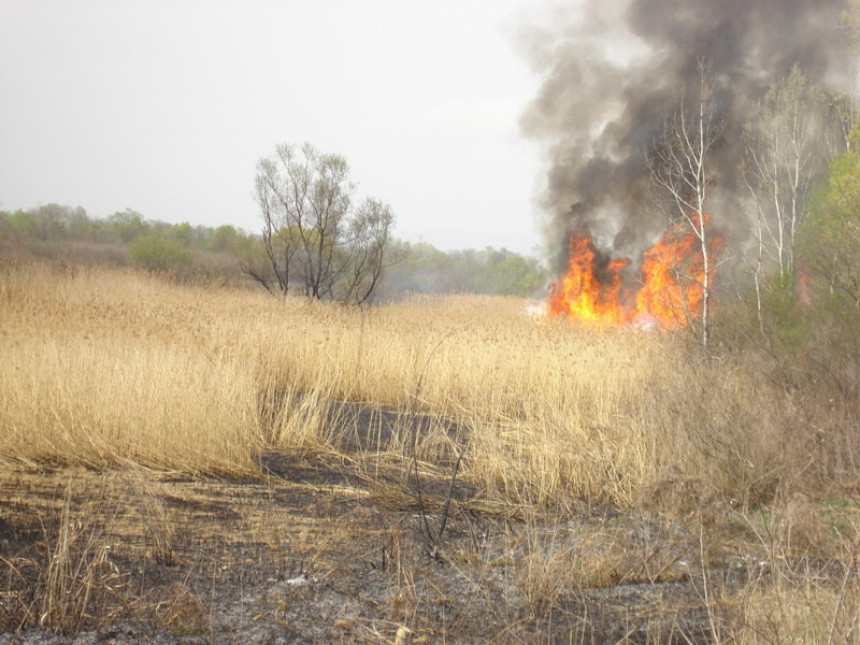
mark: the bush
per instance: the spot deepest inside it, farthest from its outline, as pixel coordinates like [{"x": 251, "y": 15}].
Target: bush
[
  {"x": 157, "y": 253},
  {"x": 802, "y": 343},
  {"x": 828, "y": 239}
]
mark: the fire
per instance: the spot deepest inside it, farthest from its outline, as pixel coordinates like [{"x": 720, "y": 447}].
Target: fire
[
  {"x": 581, "y": 294},
  {"x": 670, "y": 292}
]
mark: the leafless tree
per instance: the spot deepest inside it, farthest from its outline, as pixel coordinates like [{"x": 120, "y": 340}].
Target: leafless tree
[
  {"x": 785, "y": 155},
  {"x": 370, "y": 232},
  {"x": 314, "y": 238},
  {"x": 679, "y": 166}
]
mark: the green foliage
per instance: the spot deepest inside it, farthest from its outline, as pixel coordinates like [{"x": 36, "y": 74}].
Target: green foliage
[
  {"x": 508, "y": 274},
  {"x": 158, "y": 253},
  {"x": 183, "y": 233},
  {"x": 53, "y": 221},
  {"x": 804, "y": 324},
  {"x": 515, "y": 277},
  {"x": 22, "y": 224},
  {"x": 425, "y": 269},
  {"x": 803, "y": 341},
  {"x": 226, "y": 239},
  {"x": 830, "y": 238},
  {"x": 47, "y": 223},
  {"x": 157, "y": 245},
  {"x": 127, "y": 225},
  {"x": 819, "y": 346},
  {"x": 787, "y": 321}
]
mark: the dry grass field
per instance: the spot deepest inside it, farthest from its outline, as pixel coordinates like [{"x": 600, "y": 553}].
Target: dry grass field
[{"x": 503, "y": 478}]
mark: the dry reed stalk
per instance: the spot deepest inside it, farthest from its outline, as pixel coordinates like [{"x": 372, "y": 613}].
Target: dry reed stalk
[
  {"x": 103, "y": 365},
  {"x": 79, "y": 583},
  {"x": 101, "y": 403}
]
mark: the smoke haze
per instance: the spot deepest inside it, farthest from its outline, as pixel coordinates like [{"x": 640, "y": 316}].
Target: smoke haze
[{"x": 612, "y": 71}]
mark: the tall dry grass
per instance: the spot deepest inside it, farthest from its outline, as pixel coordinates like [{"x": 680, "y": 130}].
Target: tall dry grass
[{"x": 103, "y": 366}]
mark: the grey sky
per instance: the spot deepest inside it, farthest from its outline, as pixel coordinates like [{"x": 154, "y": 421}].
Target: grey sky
[{"x": 165, "y": 107}]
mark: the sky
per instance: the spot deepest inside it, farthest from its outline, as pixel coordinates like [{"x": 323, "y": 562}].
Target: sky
[{"x": 165, "y": 107}]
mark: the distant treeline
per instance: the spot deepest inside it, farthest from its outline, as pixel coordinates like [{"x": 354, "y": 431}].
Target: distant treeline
[{"x": 219, "y": 252}]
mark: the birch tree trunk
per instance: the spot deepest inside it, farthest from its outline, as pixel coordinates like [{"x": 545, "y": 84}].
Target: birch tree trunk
[{"x": 679, "y": 166}]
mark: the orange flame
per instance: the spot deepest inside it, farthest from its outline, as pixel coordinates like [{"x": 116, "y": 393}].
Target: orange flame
[{"x": 671, "y": 288}]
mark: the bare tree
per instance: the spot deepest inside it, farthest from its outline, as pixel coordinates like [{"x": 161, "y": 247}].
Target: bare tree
[
  {"x": 315, "y": 241},
  {"x": 370, "y": 232},
  {"x": 840, "y": 114},
  {"x": 679, "y": 166},
  {"x": 785, "y": 155},
  {"x": 279, "y": 240}
]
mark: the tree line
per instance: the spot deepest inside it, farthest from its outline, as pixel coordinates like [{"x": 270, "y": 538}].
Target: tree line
[{"x": 188, "y": 250}]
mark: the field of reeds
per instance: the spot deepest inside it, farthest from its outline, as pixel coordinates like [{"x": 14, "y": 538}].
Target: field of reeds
[
  {"x": 104, "y": 366},
  {"x": 111, "y": 369}
]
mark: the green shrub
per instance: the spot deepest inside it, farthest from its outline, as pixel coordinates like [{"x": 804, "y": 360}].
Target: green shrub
[{"x": 157, "y": 253}]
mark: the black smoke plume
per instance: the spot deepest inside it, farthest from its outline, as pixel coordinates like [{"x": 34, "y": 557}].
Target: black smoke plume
[{"x": 612, "y": 71}]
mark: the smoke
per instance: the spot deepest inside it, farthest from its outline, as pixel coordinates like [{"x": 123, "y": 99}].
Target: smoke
[{"x": 613, "y": 71}]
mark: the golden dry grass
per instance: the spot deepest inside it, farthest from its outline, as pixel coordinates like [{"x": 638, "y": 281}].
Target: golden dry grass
[
  {"x": 110, "y": 367},
  {"x": 102, "y": 366}
]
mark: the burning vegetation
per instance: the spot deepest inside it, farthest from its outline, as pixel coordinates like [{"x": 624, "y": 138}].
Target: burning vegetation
[
  {"x": 667, "y": 295},
  {"x": 733, "y": 109}
]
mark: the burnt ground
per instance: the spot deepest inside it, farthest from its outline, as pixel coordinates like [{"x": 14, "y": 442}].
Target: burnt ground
[{"x": 333, "y": 548}]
